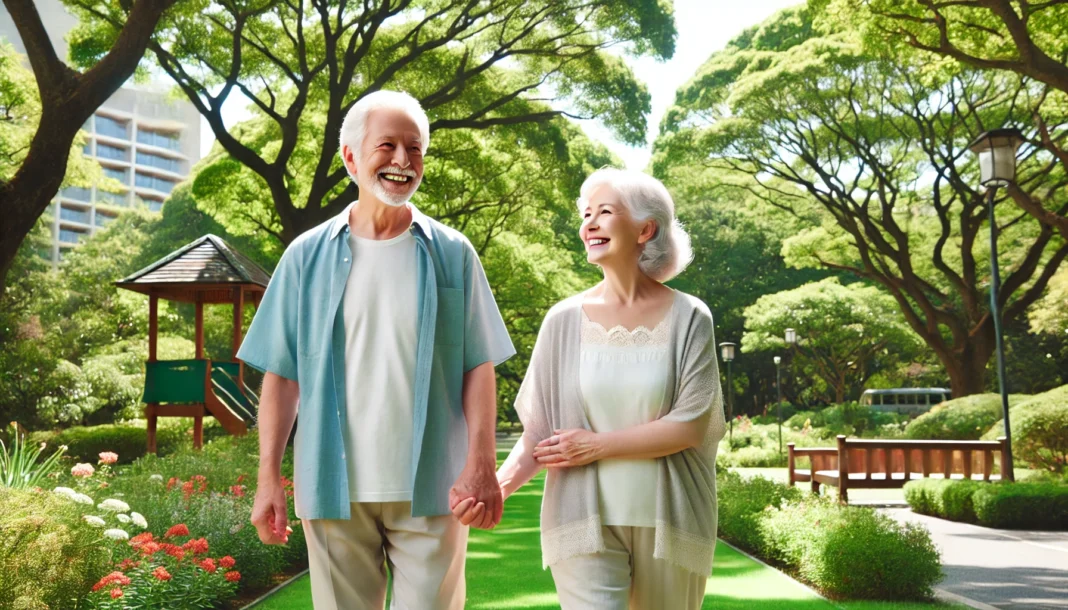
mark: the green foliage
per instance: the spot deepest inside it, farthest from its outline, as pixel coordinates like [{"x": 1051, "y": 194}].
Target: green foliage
[
  {"x": 19, "y": 467},
  {"x": 966, "y": 418},
  {"x": 1039, "y": 430},
  {"x": 1023, "y": 505},
  {"x": 742, "y": 503},
  {"x": 853, "y": 552},
  {"x": 846, "y": 334},
  {"x": 49, "y": 556},
  {"x": 849, "y": 418},
  {"x": 129, "y": 440},
  {"x": 949, "y": 499},
  {"x": 1050, "y": 313}
]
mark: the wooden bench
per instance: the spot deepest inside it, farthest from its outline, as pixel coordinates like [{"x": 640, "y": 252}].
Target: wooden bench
[{"x": 859, "y": 463}]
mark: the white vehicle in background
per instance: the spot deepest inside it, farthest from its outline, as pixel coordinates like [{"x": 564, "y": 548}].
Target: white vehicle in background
[{"x": 910, "y": 401}]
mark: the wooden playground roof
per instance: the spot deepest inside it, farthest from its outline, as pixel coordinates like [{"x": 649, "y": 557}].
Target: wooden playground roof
[{"x": 206, "y": 270}]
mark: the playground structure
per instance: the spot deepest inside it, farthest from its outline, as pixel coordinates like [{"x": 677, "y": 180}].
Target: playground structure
[{"x": 206, "y": 271}]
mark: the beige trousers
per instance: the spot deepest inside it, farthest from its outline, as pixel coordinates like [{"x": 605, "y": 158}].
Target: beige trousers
[
  {"x": 347, "y": 559},
  {"x": 627, "y": 577}
]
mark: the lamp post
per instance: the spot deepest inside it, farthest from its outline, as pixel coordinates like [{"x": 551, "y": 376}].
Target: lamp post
[
  {"x": 997, "y": 167},
  {"x": 791, "y": 343},
  {"x": 778, "y": 388},
  {"x": 727, "y": 352}
]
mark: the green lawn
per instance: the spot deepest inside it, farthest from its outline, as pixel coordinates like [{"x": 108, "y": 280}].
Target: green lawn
[{"x": 504, "y": 571}]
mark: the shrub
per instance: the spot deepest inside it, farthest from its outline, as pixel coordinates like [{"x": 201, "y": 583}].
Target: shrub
[
  {"x": 129, "y": 440},
  {"x": 965, "y": 418},
  {"x": 1023, "y": 505},
  {"x": 853, "y": 552},
  {"x": 49, "y": 556},
  {"x": 850, "y": 418},
  {"x": 1039, "y": 430},
  {"x": 949, "y": 499},
  {"x": 741, "y": 503}
]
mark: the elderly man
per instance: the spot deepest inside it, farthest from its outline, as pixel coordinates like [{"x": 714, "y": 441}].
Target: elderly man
[{"x": 381, "y": 322}]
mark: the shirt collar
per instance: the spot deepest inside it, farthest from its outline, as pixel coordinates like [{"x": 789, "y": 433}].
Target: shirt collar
[{"x": 341, "y": 221}]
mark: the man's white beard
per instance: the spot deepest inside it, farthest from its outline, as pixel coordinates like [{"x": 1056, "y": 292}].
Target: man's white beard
[{"x": 389, "y": 198}]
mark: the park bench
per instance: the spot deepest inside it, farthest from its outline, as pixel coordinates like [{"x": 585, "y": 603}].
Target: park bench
[{"x": 859, "y": 463}]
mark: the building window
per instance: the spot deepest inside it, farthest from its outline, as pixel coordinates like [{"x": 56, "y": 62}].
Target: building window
[
  {"x": 76, "y": 193},
  {"x": 71, "y": 236},
  {"x": 110, "y": 127},
  {"x": 74, "y": 215},
  {"x": 117, "y": 174},
  {"x": 119, "y": 199},
  {"x": 105, "y": 151},
  {"x": 171, "y": 165},
  {"x": 159, "y": 138},
  {"x": 102, "y": 220},
  {"x": 152, "y": 182}
]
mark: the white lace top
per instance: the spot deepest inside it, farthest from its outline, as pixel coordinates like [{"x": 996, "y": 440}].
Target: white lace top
[{"x": 623, "y": 377}]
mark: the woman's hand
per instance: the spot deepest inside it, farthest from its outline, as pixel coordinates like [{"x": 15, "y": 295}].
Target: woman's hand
[{"x": 567, "y": 448}]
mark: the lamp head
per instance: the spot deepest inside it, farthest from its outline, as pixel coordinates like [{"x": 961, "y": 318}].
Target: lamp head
[
  {"x": 726, "y": 350},
  {"x": 777, "y": 360},
  {"x": 791, "y": 336},
  {"x": 997, "y": 156}
]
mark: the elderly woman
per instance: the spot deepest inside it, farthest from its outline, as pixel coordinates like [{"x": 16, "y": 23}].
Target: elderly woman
[{"x": 622, "y": 403}]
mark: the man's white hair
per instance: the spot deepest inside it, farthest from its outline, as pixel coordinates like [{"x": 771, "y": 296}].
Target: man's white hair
[
  {"x": 668, "y": 253},
  {"x": 354, "y": 127}
]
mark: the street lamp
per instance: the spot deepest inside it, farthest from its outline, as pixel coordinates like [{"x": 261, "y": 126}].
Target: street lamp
[
  {"x": 997, "y": 167},
  {"x": 726, "y": 350},
  {"x": 791, "y": 342},
  {"x": 778, "y": 388}
]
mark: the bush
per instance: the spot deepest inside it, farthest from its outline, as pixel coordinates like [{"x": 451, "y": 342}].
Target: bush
[
  {"x": 853, "y": 552},
  {"x": 962, "y": 419},
  {"x": 129, "y": 440},
  {"x": 1039, "y": 430},
  {"x": 949, "y": 499},
  {"x": 743, "y": 501},
  {"x": 1023, "y": 505},
  {"x": 49, "y": 556},
  {"x": 849, "y": 418}
]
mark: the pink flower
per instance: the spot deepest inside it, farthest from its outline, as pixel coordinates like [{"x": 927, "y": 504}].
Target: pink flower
[
  {"x": 108, "y": 457},
  {"x": 82, "y": 470}
]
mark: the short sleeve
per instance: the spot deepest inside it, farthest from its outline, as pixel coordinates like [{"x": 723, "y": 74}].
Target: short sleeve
[
  {"x": 271, "y": 342},
  {"x": 485, "y": 336}
]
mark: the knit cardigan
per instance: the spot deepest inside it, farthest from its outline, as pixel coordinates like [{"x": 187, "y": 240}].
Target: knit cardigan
[{"x": 550, "y": 399}]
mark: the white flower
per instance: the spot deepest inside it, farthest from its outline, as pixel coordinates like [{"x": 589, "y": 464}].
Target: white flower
[
  {"x": 83, "y": 499},
  {"x": 237, "y": 528},
  {"x": 94, "y": 521},
  {"x": 66, "y": 491},
  {"x": 156, "y": 478},
  {"x": 116, "y": 534},
  {"x": 139, "y": 520},
  {"x": 113, "y": 505},
  {"x": 124, "y": 519}
]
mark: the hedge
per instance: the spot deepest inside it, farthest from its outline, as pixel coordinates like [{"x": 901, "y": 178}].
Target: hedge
[
  {"x": 1023, "y": 505},
  {"x": 1039, "y": 430},
  {"x": 960, "y": 419},
  {"x": 128, "y": 440}
]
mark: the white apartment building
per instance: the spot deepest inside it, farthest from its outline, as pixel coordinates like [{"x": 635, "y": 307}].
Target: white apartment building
[{"x": 142, "y": 137}]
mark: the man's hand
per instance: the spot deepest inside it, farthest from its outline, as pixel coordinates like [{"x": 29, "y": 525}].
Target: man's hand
[
  {"x": 475, "y": 498},
  {"x": 270, "y": 513},
  {"x": 568, "y": 448}
]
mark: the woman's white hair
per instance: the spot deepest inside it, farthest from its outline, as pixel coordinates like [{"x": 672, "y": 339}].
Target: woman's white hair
[
  {"x": 354, "y": 127},
  {"x": 668, "y": 253}
]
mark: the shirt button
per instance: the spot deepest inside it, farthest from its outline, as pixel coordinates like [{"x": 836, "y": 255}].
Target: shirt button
[{"x": 346, "y": 260}]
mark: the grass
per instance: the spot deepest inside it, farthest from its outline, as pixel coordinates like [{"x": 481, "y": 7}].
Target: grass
[{"x": 504, "y": 572}]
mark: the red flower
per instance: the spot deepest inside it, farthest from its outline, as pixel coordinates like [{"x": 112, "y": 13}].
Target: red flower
[
  {"x": 161, "y": 573},
  {"x": 286, "y": 482},
  {"x": 173, "y": 551},
  {"x": 240, "y": 479},
  {"x": 227, "y": 562},
  {"x": 198, "y": 546},
  {"x": 187, "y": 489},
  {"x": 177, "y": 530},
  {"x": 150, "y": 548},
  {"x": 208, "y": 565},
  {"x": 172, "y": 482},
  {"x": 116, "y": 593},
  {"x": 289, "y": 493},
  {"x": 233, "y": 576},
  {"x": 141, "y": 538},
  {"x": 238, "y": 490},
  {"x": 115, "y": 578},
  {"x": 128, "y": 563}
]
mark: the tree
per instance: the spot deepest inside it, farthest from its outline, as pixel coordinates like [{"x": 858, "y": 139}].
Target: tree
[
  {"x": 1026, "y": 38},
  {"x": 67, "y": 98},
  {"x": 846, "y": 334},
  {"x": 875, "y": 149},
  {"x": 474, "y": 65}
]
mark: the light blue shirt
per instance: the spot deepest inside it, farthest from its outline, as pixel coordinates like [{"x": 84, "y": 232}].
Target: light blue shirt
[{"x": 299, "y": 333}]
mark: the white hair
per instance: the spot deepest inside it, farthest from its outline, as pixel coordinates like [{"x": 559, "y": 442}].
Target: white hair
[
  {"x": 668, "y": 253},
  {"x": 354, "y": 127}
]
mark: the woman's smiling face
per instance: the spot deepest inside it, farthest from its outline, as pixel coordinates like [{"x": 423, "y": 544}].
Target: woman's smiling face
[{"x": 608, "y": 229}]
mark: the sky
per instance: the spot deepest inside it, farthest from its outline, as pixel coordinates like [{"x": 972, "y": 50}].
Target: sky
[{"x": 704, "y": 27}]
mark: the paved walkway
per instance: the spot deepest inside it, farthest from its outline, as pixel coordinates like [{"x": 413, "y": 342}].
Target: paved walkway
[{"x": 998, "y": 568}]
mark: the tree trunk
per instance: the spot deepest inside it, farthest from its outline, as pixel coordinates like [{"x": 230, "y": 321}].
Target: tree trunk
[{"x": 966, "y": 366}]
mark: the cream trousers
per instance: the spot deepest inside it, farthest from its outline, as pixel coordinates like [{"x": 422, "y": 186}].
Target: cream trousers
[
  {"x": 348, "y": 558},
  {"x": 627, "y": 577}
]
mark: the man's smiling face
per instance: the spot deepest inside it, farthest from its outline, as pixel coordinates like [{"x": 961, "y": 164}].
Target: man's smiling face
[{"x": 389, "y": 164}]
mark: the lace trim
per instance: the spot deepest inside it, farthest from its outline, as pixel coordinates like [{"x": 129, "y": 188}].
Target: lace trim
[
  {"x": 618, "y": 336},
  {"x": 582, "y": 537},
  {"x": 684, "y": 549}
]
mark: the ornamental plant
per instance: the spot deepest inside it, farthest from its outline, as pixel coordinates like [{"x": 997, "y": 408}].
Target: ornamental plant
[{"x": 19, "y": 467}]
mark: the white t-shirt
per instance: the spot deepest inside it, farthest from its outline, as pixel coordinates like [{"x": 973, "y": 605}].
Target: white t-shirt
[
  {"x": 380, "y": 314},
  {"x": 623, "y": 380}
]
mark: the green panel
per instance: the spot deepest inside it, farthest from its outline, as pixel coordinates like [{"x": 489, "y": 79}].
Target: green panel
[
  {"x": 175, "y": 381},
  {"x": 226, "y": 388}
]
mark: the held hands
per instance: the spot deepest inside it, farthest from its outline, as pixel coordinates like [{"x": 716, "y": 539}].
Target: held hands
[
  {"x": 567, "y": 448},
  {"x": 475, "y": 498}
]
